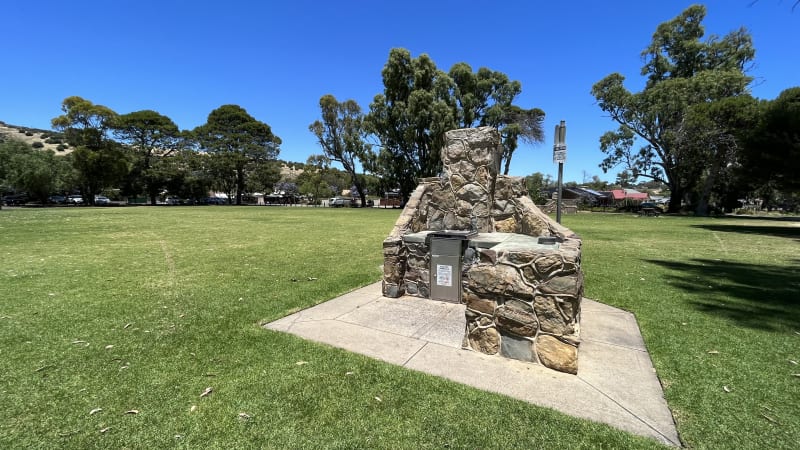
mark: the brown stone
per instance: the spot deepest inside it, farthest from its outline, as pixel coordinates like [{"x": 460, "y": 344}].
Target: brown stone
[
  {"x": 547, "y": 264},
  {"x": 497, "y": 280},
  {"x": 393, "y": 270},
  {"x": 485, "y": 340},
  {"x": 533, "y": 226},
  {"x": 556, "y": 354},
  {"x": 517, "y": 319},
  {"x": 569, "y": 285},
  {"x": 570, "y": 307},
  {"x": 550, "y": 318},
  {"x": 506, "y": 226},
  {"x": 478, "y": 304}
]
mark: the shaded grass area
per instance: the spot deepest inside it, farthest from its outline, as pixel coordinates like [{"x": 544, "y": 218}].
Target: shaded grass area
[
  {"x": 718, "y": 302},
  {"x": 114, "y": 322}
]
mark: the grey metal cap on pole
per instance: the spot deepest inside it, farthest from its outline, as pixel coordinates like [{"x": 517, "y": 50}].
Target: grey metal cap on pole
[{"x": 560, "y": 156}]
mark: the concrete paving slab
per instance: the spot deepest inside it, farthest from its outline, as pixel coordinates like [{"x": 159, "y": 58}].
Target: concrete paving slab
[{"x": 616, "y": 383}]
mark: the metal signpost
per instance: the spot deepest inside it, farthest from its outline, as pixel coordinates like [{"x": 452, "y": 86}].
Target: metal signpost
[{"x": 560, "y": 156}]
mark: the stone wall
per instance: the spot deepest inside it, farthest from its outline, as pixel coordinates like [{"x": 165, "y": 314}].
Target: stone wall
[
  {"x": 523, "y": 299},
  {"x": 523, "y": 303}
]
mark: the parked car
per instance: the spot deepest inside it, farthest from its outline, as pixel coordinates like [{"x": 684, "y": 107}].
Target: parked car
[
  {"x": 340, "y": 202},
  {"x": 101, "y": 200},
  {"x": 57, "y": 199},
  {"x": 16, "y": 199},
  {"x": 213, "y": 201},
  {"x": 75, "y": 200}
]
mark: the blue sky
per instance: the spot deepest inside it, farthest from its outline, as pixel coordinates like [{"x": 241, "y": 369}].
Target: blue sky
[{"x": 276, "y": 59}]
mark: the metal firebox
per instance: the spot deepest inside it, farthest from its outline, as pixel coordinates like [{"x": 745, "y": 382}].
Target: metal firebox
[{"x": 447, "y": 250}]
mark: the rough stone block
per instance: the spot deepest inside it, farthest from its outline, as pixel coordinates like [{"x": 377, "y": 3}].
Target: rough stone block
[
  {"x": 516, "y": 347},
  {"x": 485, "y": 340},
  {"x": 556, "y": 354}
]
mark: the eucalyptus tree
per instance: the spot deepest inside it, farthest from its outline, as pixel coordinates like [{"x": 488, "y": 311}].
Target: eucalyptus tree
[
  {"x": 341, "y": 135},
  {"x": 149, "y": 134},
  {"x": 771, "y": 155},
  {"x": 485, "y": 98},
  {"x": 681, "y": 71},
  {"x": 410, "y": 119},
  {"x": 238, "y": 143},
  {"x": 98, "y": 160}
]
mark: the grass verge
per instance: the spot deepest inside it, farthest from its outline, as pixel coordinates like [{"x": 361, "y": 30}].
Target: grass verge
[{"x": 115, "y": 321}]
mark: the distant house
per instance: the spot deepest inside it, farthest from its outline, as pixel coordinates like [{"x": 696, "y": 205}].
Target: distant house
[
  {"x": 628, "y": 196},
  {"x": 580, "y": 195}
]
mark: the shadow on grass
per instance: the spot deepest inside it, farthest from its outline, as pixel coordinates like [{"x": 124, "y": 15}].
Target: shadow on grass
[
  {"x": 754, "y": 295},
  {"x": 791, "y": 231}
]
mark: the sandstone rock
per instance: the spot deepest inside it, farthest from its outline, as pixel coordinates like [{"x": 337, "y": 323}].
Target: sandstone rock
[
  {"x": 569, "y": 285},
  {"x": 485, "y": 340},
  {"x": 516, "y": 319},
  {"x": 476, "y": 303},
  {"x": 548, "y": 264},
  {"x": 550, "y": 318},
  {"x": 556, "y": 354},
  {"x": 506, "y": 226},
  {"x": 497, "y": 280}
]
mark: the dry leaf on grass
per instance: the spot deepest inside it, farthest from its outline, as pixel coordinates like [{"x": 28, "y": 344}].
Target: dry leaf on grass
[
  {"x": 193, "y": 408},
  {"x": 770, "y": 419},
  {"x": 300, "y": 363},
  {"x": 726, "y": 389},
  {"x": 81, "y": 342},
  {"x": 791, "y": 361},
  {"x": 127, "y": 325},
  {"x": 378, "y": 399},
  {"x": 244, "y": 416},
  {"x": 95, "y": 411},
  {"x": 349, "y": 373},
  {"x": 103, "y": 430},
  {"x": 206, "y": 392},
  {"x": 713, "y": 352},
  {"x": 132, "y": 411},
  {"x": 109, "y": 346}
]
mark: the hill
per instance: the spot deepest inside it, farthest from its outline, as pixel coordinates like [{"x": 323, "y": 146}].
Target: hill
[{"x": 49, "y": 140}]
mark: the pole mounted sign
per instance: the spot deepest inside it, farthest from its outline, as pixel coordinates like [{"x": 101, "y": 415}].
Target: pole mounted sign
[
  {"x": 560, "y": 144},
  {"x": 559, "y": 156}
]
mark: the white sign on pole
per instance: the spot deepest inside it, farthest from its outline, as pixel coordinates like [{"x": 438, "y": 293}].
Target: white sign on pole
[{"x": 560, "y": 143}]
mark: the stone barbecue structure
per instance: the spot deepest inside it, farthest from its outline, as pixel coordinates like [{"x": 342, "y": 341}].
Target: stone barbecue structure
[{"x": 517, "y": 271}]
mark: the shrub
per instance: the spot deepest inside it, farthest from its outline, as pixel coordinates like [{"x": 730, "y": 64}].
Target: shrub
[
  {"x": 61, "y": 147},
  {"x": 37, "y": 144},
  {"x": 28, "y": 133},
  {"x": 20, "y": 130},
  {"x": 53, "y": 140}
]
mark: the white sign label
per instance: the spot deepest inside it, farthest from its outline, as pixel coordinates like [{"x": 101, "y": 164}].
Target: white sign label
[
  {"x": 444, "y": 275},
  {"x": 559, "y": 156}
]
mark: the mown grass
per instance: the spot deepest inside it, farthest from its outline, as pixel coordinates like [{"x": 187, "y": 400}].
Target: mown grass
[
  {"x": 142, "y": 309},
  {"x": 718, "y": 303},
  {"x": 107, "y": 311}
]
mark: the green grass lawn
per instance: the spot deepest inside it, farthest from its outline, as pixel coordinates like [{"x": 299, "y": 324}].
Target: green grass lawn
[{"x": 105, "y": 311}]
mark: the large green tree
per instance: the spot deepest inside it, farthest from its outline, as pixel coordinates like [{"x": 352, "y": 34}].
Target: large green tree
[
  {"x": 771, "y": 156},
  {"x": 410, "y": 118},
  {"x": 682, "y": 71},
  {"x": 148, "y": 133},
  {"x": 485, "y": 98},
  {"x": 341, "y": 135},
  {"x": 238, "y": 142},
  {"x": 99, "y": 161}
]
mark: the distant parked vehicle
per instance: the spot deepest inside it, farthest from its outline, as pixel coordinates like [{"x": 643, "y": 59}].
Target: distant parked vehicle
[
  {"x": 213, "y": 201},
  {"x": 101, "y": 200},
  {"x": 340, "y": 202},
  {"x": 57, "y": 199},
  {"x": 74, "y": 200},
  {"x": 16, "y": 199}
]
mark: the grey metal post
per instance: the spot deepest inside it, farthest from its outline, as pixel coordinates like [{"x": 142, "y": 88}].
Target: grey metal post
[
  {"x": 559, "y": 156},
  {"x": 558, "y": 203}
]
